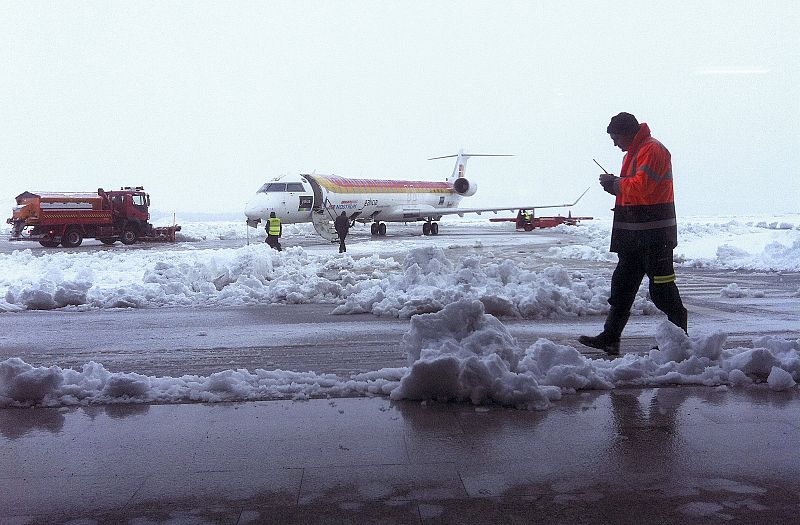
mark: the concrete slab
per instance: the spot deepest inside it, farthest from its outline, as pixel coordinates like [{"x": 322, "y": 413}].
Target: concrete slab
[{"x": 668, "y": 455}]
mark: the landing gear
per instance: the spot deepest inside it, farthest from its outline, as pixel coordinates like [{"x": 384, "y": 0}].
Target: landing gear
[
  {"x": 430, "y": 228},
  {"x": 377, "y": 228}
]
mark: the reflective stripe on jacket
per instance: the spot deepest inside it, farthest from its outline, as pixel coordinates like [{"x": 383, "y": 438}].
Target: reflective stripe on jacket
[
  {"x": 274, "y": 227},
  {"x": 644, "y": 212}
]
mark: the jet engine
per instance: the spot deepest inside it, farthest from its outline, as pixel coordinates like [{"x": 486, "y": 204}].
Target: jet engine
[{"x": 464, "y": 187}]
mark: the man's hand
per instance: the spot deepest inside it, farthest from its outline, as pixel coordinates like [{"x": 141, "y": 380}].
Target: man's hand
[{"x": 609, "y": 182}]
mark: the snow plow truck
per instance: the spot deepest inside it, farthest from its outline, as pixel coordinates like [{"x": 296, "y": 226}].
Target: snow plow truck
[{"x": 68, "y": 218}]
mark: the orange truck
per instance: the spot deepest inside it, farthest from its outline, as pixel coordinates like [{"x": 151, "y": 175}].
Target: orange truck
[{"x": 68, "y": 218}]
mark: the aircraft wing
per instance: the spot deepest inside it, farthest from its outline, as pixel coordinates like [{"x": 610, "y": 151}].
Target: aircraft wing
[{"x": 462, "y": 211}]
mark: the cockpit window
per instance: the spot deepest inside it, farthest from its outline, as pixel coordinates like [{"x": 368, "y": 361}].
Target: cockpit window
[
  {"x": 272, "y": 186},
  {"x": 294, "y": 186}
]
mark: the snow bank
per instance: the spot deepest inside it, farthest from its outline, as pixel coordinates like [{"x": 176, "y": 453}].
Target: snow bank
[
  {"x": 222, "y": 277},
  {"x": 733, "y": 290},
  {"x": 749, "y": 243},
  {"x": 464, "y": 354},
  {"x": 194, "y": 231},
  {"x": 426, "y": 281},
  {"x": 22, "y": 384},
  {"x": 460, "y": 353},
  {"x": 429, "y": 282}
]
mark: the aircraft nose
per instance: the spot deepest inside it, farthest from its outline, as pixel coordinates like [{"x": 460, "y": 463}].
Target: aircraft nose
[{"x": 256, "y": 206}]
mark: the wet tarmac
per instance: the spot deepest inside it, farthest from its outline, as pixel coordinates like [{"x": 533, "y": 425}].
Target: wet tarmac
[{"x": 669, "y": 455}]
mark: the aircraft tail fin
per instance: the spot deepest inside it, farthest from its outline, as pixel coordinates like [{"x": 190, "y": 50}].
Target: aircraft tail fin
[{"x": 460, "y": 169}]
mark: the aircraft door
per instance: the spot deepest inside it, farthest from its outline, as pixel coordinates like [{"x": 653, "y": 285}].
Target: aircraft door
[{"x": 319, "y": 197}]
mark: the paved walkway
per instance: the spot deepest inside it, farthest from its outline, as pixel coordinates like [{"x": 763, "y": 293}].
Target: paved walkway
[{"x": 670, "y": 455}]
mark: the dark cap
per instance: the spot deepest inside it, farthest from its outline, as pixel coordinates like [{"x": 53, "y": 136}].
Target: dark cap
[{"x": 623, "y": 124}]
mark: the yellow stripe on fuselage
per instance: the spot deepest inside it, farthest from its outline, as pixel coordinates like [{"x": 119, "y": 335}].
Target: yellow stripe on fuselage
[{"x": 342, "y": 185}]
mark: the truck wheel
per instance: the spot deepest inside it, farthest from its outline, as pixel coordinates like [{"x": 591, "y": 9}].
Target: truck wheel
[
  {"x": 49, "y": 244},
  {"x": 129, "y": 236},
  {"x": 72, "y": 239}
]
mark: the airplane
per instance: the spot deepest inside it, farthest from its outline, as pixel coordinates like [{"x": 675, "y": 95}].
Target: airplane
[{"x": 320, "y": 198}]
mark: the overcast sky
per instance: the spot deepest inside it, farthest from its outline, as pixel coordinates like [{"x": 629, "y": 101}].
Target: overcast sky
[{"x": 201, "y": 102}]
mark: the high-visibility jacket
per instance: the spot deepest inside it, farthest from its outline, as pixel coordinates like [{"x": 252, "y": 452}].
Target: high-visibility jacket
[
  {"x": 644, "y": 212},
  {"x": 274, "y": 226}
]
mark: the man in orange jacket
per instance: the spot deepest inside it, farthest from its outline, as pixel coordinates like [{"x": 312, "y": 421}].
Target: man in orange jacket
[{"x": 644, "y": 232}]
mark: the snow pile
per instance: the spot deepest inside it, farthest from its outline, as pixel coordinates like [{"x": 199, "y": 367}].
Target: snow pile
[
  {"x": 460, "y": 353},
  {"x": 230, "y": 230},
  {"x": 774, "y": 256},
  {"x": 751, "y": 243},
  {"x": 22, "y": 385},
  {"x": 425, "y": 282},
  {"x": 430, "y": 281},
  {"x": 223, "y": 277},
  {"x": 733, "y": 290},
  {"x": 463, "y": 354}
]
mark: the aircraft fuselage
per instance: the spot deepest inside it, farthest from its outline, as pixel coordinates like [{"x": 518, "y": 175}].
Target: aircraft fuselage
[{"x": 366, "y": 200}]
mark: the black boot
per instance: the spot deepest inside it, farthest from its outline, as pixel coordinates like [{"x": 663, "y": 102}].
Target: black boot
[
  {"x": 608, "y": 339},
  {"x": 681, "y": 320},
  {"x": 603, "y": 341}
]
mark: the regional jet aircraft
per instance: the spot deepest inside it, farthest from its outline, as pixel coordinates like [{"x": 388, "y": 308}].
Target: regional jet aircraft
[{"x": 320, "y": 198}]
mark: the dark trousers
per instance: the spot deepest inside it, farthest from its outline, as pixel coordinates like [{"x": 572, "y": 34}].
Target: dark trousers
[
  {"x": 655, "y": 262},
  {"x": 342, "y": 247},
  {"x": 272, "y": 241}
]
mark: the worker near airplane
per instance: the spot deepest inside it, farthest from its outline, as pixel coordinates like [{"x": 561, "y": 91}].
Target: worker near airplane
[
  {"x": 644, "y": 231},
  {"x": 342, "y": 226},
  {"x": 523, "y": 218},
  {"x": 274, "y": 232}
]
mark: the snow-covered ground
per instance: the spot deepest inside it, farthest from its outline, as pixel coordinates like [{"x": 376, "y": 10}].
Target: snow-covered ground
[{"x": 467, "y": 280}]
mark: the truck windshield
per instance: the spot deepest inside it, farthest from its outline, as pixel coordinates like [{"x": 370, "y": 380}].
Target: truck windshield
[{"x": 139, "y": 201}]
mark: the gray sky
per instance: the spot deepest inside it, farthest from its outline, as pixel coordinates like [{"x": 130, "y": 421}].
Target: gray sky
[{"x": 201, "y": 102}]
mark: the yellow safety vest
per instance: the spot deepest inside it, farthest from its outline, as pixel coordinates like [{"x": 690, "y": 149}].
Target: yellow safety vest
[{"x": 274, "y": 226}]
